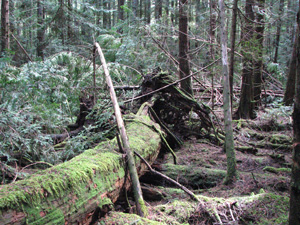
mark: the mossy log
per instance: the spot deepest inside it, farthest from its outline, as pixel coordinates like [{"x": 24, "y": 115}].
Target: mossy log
[{"x": 70, "y": 192}]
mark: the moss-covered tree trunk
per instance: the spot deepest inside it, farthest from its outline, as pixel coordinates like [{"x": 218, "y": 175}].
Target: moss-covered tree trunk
[
  {"x": 229, "y": 143},
  {"x": 294, "y": 217},
  {"x": 69, "y": 193}
]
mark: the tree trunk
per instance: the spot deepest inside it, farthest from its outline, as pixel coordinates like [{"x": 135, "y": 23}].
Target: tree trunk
[
  {"x": 158, "y": 9},
  {"x": 148, "y": 11},
  {"x": 212, "y": 40},
  {"x": 278, "y": 31},
  {"x": 40, "y": 30},
  {"x": 5, "y": 38},
  {"x": 294, "y": 215},
  {"x": 229, "y": 143},
  {"x": 184, "y": 68},
  {"x": 232, "y": 44},
  {"x": 289, "y": 94},
  {"x": 258, "y": 53},
  {"x": 246, "y": 104},
  {"x": 120, "y": 9},
  {"x": 70, "y": 192}
]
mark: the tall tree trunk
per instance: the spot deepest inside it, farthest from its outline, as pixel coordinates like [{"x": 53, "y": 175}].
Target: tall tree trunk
[
  {"x": 212, "y": 40},
  {"x": 5, "y": 37},
  {"x": 120, "y": 9},
  {"x": 158, "y": 9},
  {"x": 148, "y": 11},
  {"x": 278, "y": 30},
  {"x": 258, "y": 53},
  {"x": 135, "y": 7},
  {"x": 40, "y": 30},
  {"x": 70, "y": 9},
  {"x": 294, "y": 215},
  {"x": 184, "y": 68},
  {"x": 229, "y": 143},
  {"x": 289, "y": 94},
  {"x": 246, "y": 104},
  {"x": 232, "y": 45}
]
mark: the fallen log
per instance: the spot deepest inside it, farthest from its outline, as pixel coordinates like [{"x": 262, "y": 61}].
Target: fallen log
[{"x": 70, "y": 192}]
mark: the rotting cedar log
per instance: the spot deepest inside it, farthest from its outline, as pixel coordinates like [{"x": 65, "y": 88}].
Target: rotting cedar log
[{"x": 70, "y": 192}]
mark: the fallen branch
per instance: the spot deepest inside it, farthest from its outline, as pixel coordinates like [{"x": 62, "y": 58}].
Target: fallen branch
[{"x": 191, "y": 194}]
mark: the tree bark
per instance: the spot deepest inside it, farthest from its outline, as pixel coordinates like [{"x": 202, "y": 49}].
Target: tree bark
[
  {"x": 120, "y": 9},
  {"x": 5, "y": 38},
  {"x": 246, "y": 104},
  {"x": 184, "y": 67},
  {"x": 70, "y": 192},
  {"x": 289, "y": 93},
  {"x": 258, "y": 53},
  {"x": 40, "y": 30},
  {"x": 158, "y": 9},
  {"x": 294, "y": 215},
  {"x": 232, "y": 44},
  {"x": 278, "y": 30},
  {"x": 229, "y": 143}
]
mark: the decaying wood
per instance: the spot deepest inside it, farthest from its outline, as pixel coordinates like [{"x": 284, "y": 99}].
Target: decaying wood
[{"x": 70, "y": 192}]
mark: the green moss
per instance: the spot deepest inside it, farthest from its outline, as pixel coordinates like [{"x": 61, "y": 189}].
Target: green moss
[
  {"x": 277, "y": 170},
  {"x": 70, "y": 186},
  {"x": 267, "y": 208},
  {"x": 119, "y": 218}
]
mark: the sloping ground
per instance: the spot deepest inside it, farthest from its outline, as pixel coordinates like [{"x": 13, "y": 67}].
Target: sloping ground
[{"x": 259, "y": 196}]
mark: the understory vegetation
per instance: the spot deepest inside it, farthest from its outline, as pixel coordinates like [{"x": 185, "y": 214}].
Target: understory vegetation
[{"x": 55, "y": 105}]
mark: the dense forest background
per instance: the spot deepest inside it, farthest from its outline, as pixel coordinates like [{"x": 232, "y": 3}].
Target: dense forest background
[{"x": 48, "y": 68}]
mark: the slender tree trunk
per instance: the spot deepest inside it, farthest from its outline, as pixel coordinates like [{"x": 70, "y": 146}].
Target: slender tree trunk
[
  {"x": 294, "y": 215},
  {"x": 232, "y": 44},
  {"x": 5, "y": 37},
  {"x": 70, "y": 9},
  {"x": 289, "y": 94},
  {"x": 246, "y": 104},
  {"x": 278, "y": 31},
  {"x": 258, "y": 52},
  {"x": 229, "y": 143},
  {"x": 212, "y": 39},
  {"x": 40, "y": 30},
  {"x": 184, "y": 68}
]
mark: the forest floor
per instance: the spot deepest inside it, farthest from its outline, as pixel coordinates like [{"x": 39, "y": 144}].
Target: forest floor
[{"x": 259, "y": 196}]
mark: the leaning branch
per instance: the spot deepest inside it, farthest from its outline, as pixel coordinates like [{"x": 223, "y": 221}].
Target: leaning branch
[{"x": 139, "y": 201}]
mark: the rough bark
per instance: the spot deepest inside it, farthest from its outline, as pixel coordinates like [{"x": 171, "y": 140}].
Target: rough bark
[
  {"x": 278, "y": 30},
  {"x": 184, "y": 67},
  {"x": 294, "y": 216},
  {"x": 246, "y": 104},
  {"x": 69, "y": 193},
  {"x": 5, "y": 40},
  {"x": 40, "y": 31},
  {"x": 258, "y": 53},
  {"x": 229, "y": 143},
  {"x": 232, "y": 44},
  {"x": 289, "y": 94}
]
